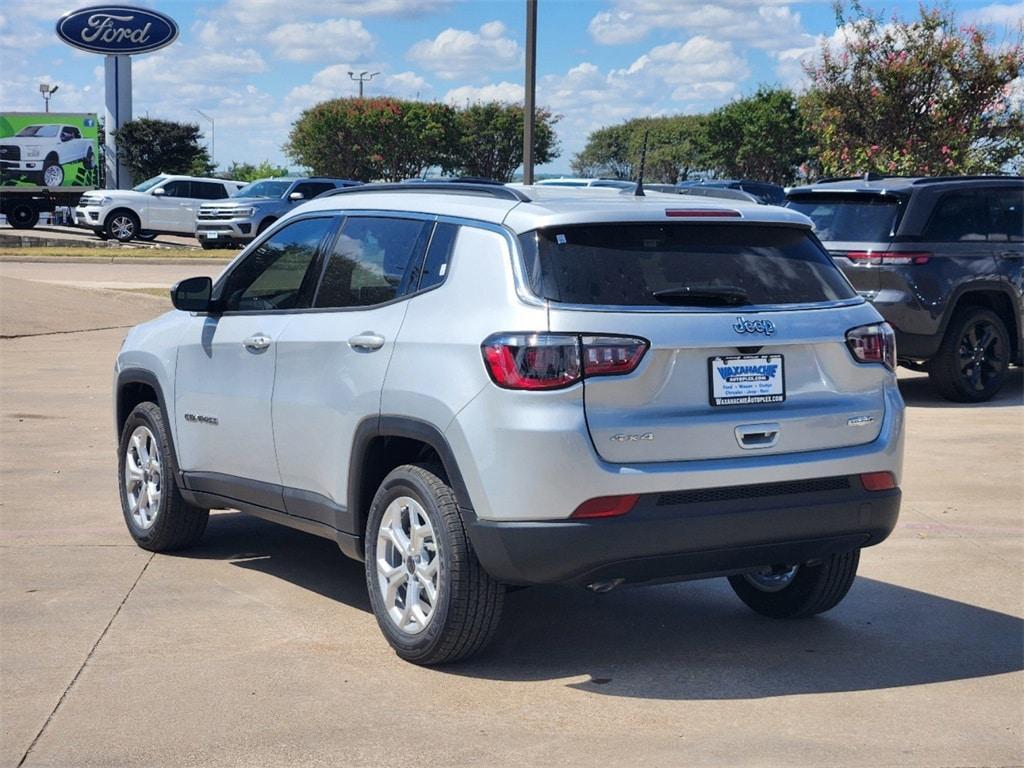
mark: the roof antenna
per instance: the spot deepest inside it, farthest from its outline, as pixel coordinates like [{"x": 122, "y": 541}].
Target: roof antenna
[{"x": 639, "y": 191}]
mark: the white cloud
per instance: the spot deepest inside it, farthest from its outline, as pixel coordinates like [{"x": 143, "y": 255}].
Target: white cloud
[
  {"x": 1004, "y": 14},
  {"x": 334, "y": 82},
  {"x": 265, "y": 14},
  {"x": 316, "y": 41},
  {"x": 470, "y": 94},
  {"x": 766, "y": 24},
  {"x": 459, "y": 53}
]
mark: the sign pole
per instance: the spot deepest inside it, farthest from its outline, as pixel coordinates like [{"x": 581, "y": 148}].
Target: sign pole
[
  {"x": 529, "y": 107},
  {"x": 118, "y": 81}
]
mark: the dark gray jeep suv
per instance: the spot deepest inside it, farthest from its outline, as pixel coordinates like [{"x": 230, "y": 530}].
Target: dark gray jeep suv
[{"x": 942, "y": 259}]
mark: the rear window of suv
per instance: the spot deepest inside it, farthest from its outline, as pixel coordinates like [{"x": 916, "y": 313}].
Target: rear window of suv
[
  {"x": 857, "y": 217},
  {"x": 659, "y": 265}
]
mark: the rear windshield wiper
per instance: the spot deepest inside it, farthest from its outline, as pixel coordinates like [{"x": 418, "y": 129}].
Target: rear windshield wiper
[{"x": 703, "y": 296}]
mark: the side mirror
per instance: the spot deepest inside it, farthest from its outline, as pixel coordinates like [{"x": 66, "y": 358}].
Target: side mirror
[
  {"x": 193, "y": 295},
  {"x": 159, "y": 191},
  {"x": 296, "y": 196}
]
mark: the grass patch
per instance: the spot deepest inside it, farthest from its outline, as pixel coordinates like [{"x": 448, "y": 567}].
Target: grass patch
[{"x": 106, "y": 254}]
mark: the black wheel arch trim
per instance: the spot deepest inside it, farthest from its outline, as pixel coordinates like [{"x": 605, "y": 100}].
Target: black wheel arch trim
[
  {"x": 985, "y": 286},
  {"x": 141, "y": 376},
  {"x": 405, "y": 427}
]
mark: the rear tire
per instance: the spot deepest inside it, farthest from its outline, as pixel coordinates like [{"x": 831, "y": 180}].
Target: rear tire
[
  {"x": 157, "y": 516},
  {"x": 23, "y": 216},
  {"x": 433, "y": 601},
  {"x": 809, "y": 590},
  {"x": 972, "y": 361}
]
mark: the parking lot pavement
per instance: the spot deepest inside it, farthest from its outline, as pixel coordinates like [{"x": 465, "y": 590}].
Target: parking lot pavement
[{"x": 258, "y": 648}]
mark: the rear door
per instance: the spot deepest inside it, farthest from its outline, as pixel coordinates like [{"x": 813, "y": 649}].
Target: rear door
[
  {"x": 747, "y": 339},
  {"x": 332, "y": 360}
]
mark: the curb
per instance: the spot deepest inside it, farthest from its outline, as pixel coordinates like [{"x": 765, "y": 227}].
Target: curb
[{"x": 19, "y": 259}]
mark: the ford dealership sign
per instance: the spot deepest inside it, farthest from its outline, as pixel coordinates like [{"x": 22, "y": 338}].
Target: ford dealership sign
[{"x": 117, "y": 29}]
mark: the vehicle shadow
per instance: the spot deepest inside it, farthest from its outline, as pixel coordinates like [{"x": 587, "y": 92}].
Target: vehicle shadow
[
  {"x": 676, "y": 641},
  {"x": 918, "y": 393}
]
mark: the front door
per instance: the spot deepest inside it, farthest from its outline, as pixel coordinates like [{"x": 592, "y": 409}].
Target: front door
[
  {"x": 166, "y": 211},
  {"x": 331, "y": 365},
  {"x": 226, "y": 362}
]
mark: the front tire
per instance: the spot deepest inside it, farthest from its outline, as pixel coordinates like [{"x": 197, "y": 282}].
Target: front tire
[
  {"x": 122, "y": 226},
  {"x": 798, "y": 591},
  {"x": 157, "y": 516},
  {"x": 53, "y": 172},
  {"x": 23, "y": 216},
  {"x": 433, "y": 601},
  {"x": 972, "y": 361}
]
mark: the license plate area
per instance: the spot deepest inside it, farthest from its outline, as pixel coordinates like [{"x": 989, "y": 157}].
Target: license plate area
[{"x": 746, "y": 380}]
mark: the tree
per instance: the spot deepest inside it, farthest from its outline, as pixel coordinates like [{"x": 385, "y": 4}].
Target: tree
[
  {"x": 922, "y": 97},
  {"x": 250, "y": 172},
  {"x": 760, "y": 137},
  {"x": 151, "y": 147},
  {"x": 674, "y": 148},
  {"x": 369, "y": 139},
  {"x": 490, "y": 143}
]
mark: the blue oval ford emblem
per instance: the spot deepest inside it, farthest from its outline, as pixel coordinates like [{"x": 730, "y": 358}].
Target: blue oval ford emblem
[{"x": 117, "y": 29}]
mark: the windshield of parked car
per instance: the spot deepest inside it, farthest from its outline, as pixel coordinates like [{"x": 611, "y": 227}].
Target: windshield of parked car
[
  {"x": 148, "y": 184},
  {"x": 263, "y": 189},
  {"x": 43, "y": 131},
  {"x": 859, "y": 218},
  {"x": 658, "y": 264}
]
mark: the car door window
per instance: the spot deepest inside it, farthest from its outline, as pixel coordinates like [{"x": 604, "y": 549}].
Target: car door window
[
  {"x": 208, "y": 190},
  {"x": 371, "y": 262},
  {"x": 311, "y": 189},
  {"x": 435, "y": 265},
  {"x": 176, "y": 189},
  {"x": 278, "y": 273},
  {"x": 977, "y": 215}
]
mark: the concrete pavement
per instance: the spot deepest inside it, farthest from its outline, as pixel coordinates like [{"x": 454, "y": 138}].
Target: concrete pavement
[{"x": 257, "y": 648}]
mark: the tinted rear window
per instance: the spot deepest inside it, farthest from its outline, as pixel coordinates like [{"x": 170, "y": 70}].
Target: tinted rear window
[
  {"x": 859, "y": 218},
  {"x": 627, "y": 264}
]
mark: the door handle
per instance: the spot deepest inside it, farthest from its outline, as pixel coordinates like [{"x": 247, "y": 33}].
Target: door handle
[
  {"x": 257, "y": 342},
  {"x": 367, "y": 340}
]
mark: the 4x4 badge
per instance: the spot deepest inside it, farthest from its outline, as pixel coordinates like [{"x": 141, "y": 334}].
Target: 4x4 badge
[{"x": 767, "y": 327}]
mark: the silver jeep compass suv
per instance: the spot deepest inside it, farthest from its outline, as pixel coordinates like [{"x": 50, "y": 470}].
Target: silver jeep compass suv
[{"x": 470, "y": 386}]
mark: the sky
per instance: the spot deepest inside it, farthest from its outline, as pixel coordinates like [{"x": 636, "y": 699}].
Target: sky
[{"x": 254, "y": 65}]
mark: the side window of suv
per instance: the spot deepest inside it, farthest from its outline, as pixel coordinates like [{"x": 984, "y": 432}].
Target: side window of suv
[
  {"x": 975, "y": 215},
  {"x": 178, "y": 188},
  {"x": 208, "y": 190},
  {"x": 435, "y": 265},
  {"x": 311, "y": 189},
  {"x": 371, "y": 262},
  {"x": 278, "y": 274}
]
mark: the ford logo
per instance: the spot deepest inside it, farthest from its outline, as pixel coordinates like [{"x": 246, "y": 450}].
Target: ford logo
[{"x": 117, "y": 29}]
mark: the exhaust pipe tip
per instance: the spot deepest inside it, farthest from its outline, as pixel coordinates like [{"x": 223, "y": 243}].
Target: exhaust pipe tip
[{"x": 601, "y": 587}]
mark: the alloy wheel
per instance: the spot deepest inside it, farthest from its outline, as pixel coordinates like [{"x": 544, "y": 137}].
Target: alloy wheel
[
  {"x": 408, "y": 568},
  {"x": 143, "y": 477},
  {"x": 122, "y": 227},
  {"x": 980, "y": 355},
  {"x": 773, "y": 578}
]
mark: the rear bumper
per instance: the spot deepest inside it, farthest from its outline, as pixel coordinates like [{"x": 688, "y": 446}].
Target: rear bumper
[{"x": 691, "y": 534}]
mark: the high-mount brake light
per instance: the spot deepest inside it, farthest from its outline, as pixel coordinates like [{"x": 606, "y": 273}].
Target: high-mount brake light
[
  {"x": 702, "y": 213},
  {"x": 895, "y": 259},
  {"x": 875, "y": 343},
  {"x": 542, "y": 361}
]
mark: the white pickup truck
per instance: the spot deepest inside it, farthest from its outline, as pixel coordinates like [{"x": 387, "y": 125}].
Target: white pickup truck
[{"x": 43, "y": 150}]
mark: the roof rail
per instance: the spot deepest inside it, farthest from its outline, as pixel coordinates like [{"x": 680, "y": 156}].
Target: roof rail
[
  {"x": 984, "y": 177},
  {"x": 499, "y": 192}
]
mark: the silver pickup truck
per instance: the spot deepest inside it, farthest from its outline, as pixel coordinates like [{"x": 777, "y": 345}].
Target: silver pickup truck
[{"x": 252, "y": 209}]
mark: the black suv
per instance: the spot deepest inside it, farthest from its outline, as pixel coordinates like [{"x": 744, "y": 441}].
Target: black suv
[{"x": 942, "y": 259}]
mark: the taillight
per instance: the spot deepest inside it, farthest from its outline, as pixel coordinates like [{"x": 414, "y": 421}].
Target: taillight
[
  {"x": 899, "y": 258},
  {"x": 538, "y": 361},
  {"x": 875, "y": 343},
  {"x": 605, "y": 506}
]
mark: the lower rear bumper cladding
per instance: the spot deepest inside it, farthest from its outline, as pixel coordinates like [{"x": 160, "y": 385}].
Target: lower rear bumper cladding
[{"x": 691, "y": 534}]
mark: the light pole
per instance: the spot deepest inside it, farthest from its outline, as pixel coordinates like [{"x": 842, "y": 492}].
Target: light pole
[
  {"x": 213, "y": 136},
  {"x": 364, "y": 77},
  {"x": 47, "y": 91},
  {"x": 529, "y": 105}
]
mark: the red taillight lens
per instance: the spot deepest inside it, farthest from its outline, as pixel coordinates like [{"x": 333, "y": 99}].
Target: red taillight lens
[
  {"x": 900, "y": 258},
  {"x": 606, "y": 506},
  {"x": 878, "y": 481},
  {"x": 533, "y": 361},
  {"x": 875, "y": 343},
  {"x": 538, "y": 361},
  {"x": 611, "y": 355}
]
